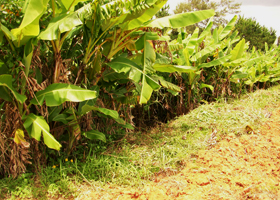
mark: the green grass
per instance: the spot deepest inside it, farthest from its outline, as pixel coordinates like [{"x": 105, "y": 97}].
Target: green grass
[{"x": 135, "y": 159}]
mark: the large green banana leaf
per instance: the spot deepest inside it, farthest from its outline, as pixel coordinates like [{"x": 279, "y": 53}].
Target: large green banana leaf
[
  {"x": 61, "y": 118},
  {"x": 29, "y": 26},
  {"x": 35, "y": 126},
  {"x": 148, "y": 14},
  {"x": 173, "y": 68},
  {"x": 57, "y": 93},
  {"x": 60, "y": 24},
  {"x": 219, "y": 61},
  {"x": 170, "y": 86},
  {"x": 129, "y": 14},
  {"x": 175, "y": 47},
  {"x": 238, "y": 50},
  {"x": 124, "y": 65},
  {"x": 228, "y": 28},
  {"x": 202, "y": 85},
  {"x": 135, "y": 73},
  {"x": 206, "y": 31},
  {"x": 239, "y": 75},
  {"x": 95, "y": 135},
  {"x": 148, "y": 84},
  {"x": 7, "y": 91},
  {"x": 234, "y": 37},
  {"x": 112, "y": 113},
  {"x": 181, "y": 20},
  {"x": 5, "y": 31},
  {"x": 216, "y": 36},
  {"x": 208, "y": 50},
  {"x": 236, "y": 62},
  {"x": 192, "y": 43}
]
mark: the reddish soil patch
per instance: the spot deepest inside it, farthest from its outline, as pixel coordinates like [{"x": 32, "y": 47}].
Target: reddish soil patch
[{"x": 246, "y": 167}]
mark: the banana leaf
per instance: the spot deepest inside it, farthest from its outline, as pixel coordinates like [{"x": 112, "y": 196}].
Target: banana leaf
[
  {"x": 202, "y": 85},
  {"x": 180, "y": 20},
  {"x": 58, "y": 93},
  {"x": 95, "y": 135},
  {"x": 193, "y": 42},
  {"x": 135, "y": 73},
  {"x": 60, "y": 24},
  {"x": 228, "y": 28},
  {"x": 29, "y": 26},
  {"x": 148, "y": 14},
  {"x": 206, "y": 31},
  {"x": 238, "y": 50},
  {"x": 19, "y": 138},
  {"x": 148, "y": 84},
  {"x": 36, "y": 126},
  {"x": 5, "y": 31},
  {"x": 7, "y": 91},
  {"x": 208, "y": 50},
  {"x": 173, "y": 68},
  {"x": 170, "y": 86},
  {"x": 219, "y": 61}
]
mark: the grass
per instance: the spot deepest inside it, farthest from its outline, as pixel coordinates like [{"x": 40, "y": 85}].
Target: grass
[{"x": 139, "y": 157}]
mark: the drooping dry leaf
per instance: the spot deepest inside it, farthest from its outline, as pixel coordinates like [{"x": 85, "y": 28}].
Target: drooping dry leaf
[{"x": 19, "y": 138}]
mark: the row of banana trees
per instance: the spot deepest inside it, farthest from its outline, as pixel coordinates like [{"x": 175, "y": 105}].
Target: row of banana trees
[
  {"x": 79, "y": 61},
  {"x": 220, "y": 66},
  {"x": 221, "y": 63},
  {"x": 74, "y": 64}
]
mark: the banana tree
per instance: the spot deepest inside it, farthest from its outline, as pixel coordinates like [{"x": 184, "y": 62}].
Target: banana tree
[
  {"x": 259, "y": 67},
  {"x": 206, "y": 51},
  {"x": 141, "y": 64},
  {"x": 126, "y": 33},
  {"x": 54, "y": 95},
  {"x": 119, "y": 32}
]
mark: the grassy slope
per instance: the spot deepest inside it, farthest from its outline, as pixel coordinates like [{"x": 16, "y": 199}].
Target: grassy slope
[{"x": 134, "y": 160}]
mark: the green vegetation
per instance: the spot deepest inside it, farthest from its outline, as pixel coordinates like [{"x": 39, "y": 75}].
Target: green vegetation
[
  {"x": 137, "y": 157},
  {"x": 80, "y": 83},
  {"x": 256, "y": 34}
]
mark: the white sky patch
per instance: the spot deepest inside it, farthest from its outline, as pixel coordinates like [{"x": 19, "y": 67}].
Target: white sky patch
[
  {"x": 268, "y": 16},
  {"x": 259, "y": 2},
  {"x": 264, "y": 15}
]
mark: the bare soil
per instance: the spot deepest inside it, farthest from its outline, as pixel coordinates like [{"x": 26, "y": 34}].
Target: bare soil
[{"x": 237, "y": 167}]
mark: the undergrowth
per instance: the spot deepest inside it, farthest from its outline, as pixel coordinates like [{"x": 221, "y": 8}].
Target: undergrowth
[{"x": 140, "y": 157}]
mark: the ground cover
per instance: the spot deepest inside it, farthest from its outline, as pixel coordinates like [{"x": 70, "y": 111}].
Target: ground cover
[
  {"x": 228, "y": 149},
  {"x": 242, "y": 166}
]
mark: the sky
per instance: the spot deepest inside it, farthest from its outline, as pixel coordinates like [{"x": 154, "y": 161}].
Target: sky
[{"x": 266, "y": 12}]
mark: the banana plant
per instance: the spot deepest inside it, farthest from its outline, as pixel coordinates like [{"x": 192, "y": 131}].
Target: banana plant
[
  {"x": 127, "y": 30},
  {"x": 54, "y": 95},
  {"x": 208, "y": 50},
  {"x": 141, "y": 64},
  {"x": 259, "y": 67},
  {"x": 103, "y": 19}
]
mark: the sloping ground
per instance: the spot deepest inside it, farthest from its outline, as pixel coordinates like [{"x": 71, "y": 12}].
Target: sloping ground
[{"x": 245, "y": 167}]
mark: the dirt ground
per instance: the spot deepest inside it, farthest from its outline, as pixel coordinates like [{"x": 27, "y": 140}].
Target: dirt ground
[{"x": 245, "y": 167}]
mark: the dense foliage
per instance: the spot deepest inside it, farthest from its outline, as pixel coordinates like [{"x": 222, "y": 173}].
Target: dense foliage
[
  {"x": 83, "y": 72},
  {"x": 256, "y": 34}
]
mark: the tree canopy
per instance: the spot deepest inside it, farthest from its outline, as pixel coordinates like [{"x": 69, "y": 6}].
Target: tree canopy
[
  {"x": 256, "y": 34},
  {"x": 222, "y": 8}
]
